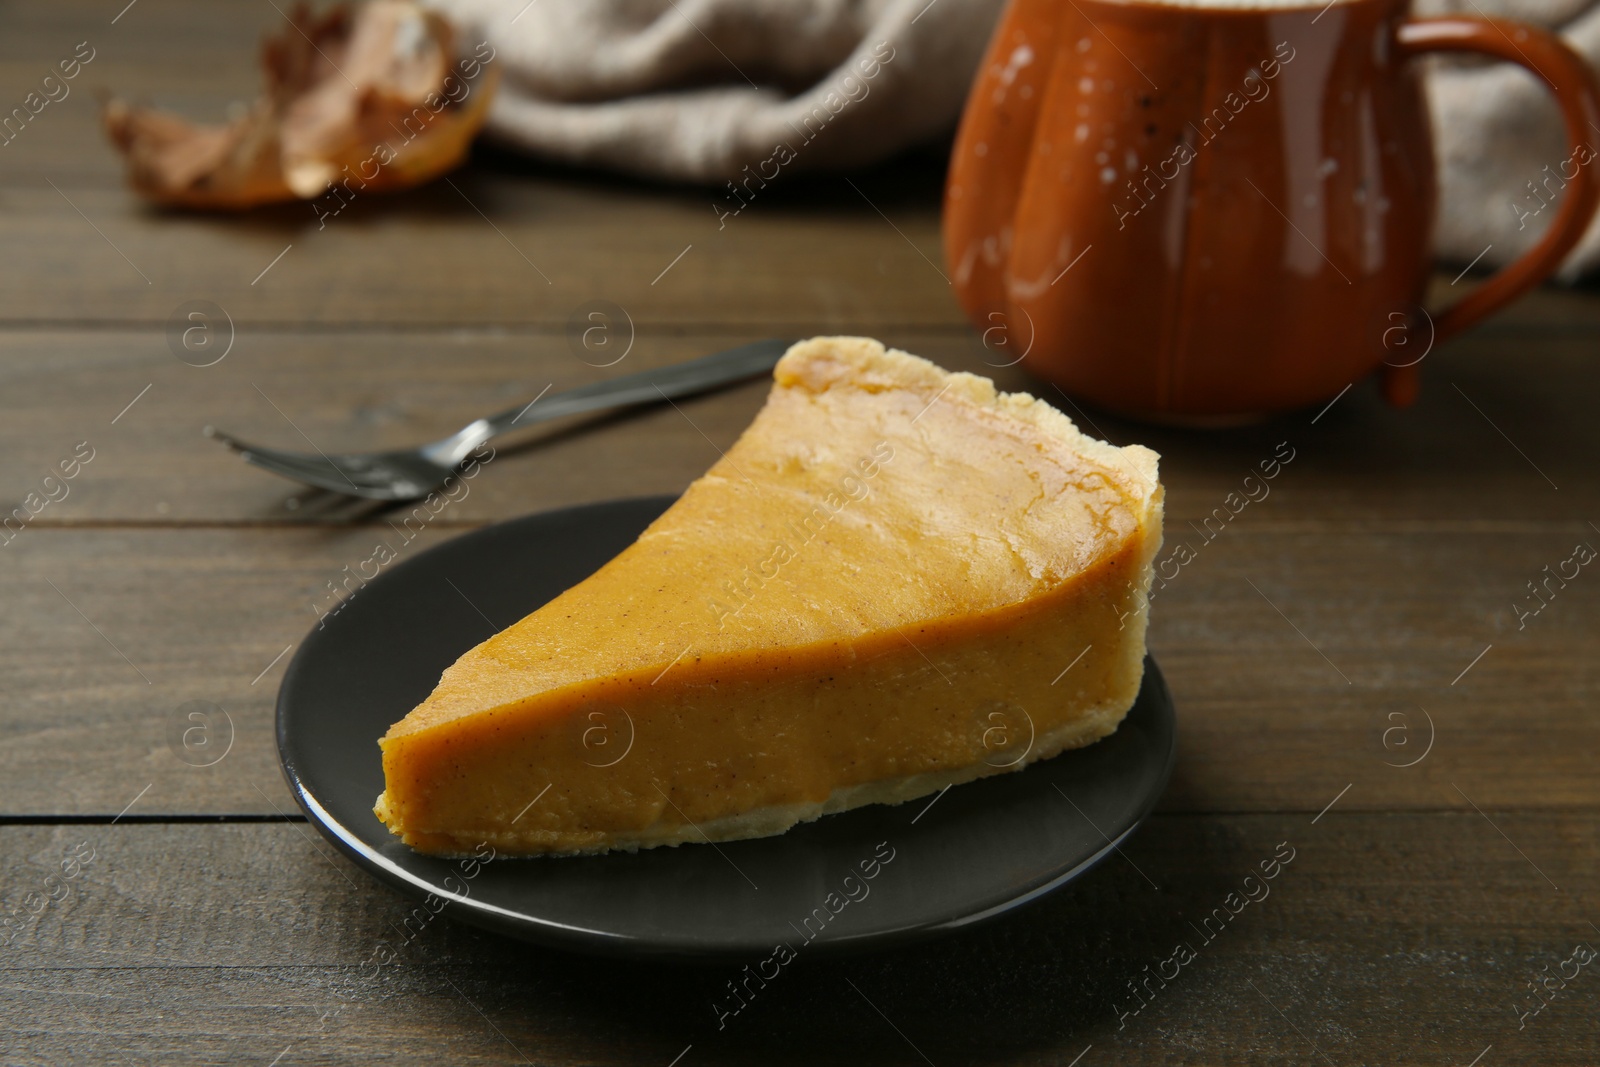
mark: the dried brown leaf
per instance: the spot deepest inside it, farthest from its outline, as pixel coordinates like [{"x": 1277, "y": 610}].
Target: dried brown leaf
[{"x": 370, "y": 98}]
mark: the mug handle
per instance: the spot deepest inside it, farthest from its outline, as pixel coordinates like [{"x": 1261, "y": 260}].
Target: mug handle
[{"x": 1576, "y": 91}]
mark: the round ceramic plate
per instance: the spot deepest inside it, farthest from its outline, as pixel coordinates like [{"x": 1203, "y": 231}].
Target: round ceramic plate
[{"x": 935, "y": 864}]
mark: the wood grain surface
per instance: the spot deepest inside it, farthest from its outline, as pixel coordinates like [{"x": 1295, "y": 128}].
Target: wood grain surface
[
  {"x": 1387, "y": 938},
  {"x": 1352, "y": 673}
]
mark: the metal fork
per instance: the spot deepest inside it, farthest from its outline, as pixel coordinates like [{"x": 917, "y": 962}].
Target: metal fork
[{"x": 415, "y": 472}]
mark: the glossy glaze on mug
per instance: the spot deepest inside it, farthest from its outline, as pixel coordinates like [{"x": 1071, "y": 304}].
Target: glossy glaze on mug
[{"x": 1180, "y": 210}]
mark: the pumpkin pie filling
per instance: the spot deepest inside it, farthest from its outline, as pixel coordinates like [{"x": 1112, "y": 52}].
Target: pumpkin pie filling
[{"x": 896, "y": 580}]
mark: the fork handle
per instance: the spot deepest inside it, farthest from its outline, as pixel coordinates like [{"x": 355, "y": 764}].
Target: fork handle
[{"x": 681, "y": 379}]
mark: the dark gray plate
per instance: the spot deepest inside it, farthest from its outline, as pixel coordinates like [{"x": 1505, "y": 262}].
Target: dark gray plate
[{"x": 979, "y": 850}]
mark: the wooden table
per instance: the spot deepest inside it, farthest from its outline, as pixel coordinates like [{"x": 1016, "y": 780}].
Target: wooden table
[{"x": 1351, "y": 675}]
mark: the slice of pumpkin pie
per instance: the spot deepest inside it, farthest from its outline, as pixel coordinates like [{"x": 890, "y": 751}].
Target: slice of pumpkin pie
[{"x": 897, "y": 579}]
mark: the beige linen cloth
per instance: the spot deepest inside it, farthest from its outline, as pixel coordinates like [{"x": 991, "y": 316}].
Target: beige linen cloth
[{"x": 684, "y": 90}]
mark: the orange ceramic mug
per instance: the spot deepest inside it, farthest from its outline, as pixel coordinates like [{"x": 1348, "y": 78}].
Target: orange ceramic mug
[{"x": 1203, "y": 210}]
